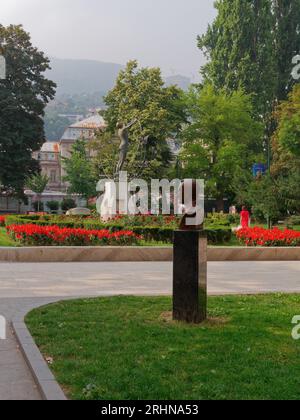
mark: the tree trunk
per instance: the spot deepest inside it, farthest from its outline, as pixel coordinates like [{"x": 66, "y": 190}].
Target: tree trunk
[{"x": 220, "y": 204}]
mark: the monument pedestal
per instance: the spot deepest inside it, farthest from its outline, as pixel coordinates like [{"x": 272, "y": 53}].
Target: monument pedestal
[{"x": 190, "y": 276}]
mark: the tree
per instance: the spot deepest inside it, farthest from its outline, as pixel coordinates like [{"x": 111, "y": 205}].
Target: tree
[
  {"x": 222, "y": 139},
  {"x": 263, "y": 194},
  {"x": 78, "y": 169},
  {"x": 55, "y": 126},
  {"x": 23, "y": 97},
  {"x": 240, "y": 48},
  {"x": 251, "y": 44},
  {"x": 140, "y": 94},
  {"x": 288, "y": 117},
  {"x": 278, "y": 194},
  {"x": 37, "y": 183},
  {"x": 287, "y": 43}
]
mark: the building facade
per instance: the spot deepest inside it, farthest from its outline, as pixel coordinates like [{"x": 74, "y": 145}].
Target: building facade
[{"x": 52, "y": 153}]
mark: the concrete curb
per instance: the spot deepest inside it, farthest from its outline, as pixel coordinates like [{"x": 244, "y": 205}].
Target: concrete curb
[
  {"x": 43, "y": 377},
  {"x": 141, "y": 254}
]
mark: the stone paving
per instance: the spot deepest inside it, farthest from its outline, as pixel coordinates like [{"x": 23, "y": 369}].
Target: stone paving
[{"x": 29, "y": 285}]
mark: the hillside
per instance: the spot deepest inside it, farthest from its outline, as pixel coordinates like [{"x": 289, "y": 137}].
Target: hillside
[{"x": 82, "y": 76}]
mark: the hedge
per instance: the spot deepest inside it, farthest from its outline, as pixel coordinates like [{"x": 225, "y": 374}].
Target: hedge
[{"x": 216, "y": 234}]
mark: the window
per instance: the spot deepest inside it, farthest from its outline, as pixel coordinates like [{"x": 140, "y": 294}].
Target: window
[{"x": 52, "y": 176}]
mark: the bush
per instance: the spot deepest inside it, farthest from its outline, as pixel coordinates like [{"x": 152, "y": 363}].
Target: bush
[
  {"x": 68, "y": 204},
  {"x": 234, "y": 219},
  {"x": 217, "y": 219},
  {"x": 293, "y": 221},
  {"x": 53, "y": 205}
]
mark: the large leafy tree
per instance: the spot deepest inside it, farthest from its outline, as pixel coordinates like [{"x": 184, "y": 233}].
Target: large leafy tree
[
  {"x": 277, "y": 195},
  {"x": 287, "y": 42},
  {"x": 222, "y": 140},
  {"x": 251, "y": 44},
  {"x": 140, "y": 94},
  {"x": 239, "y": 46},
  {"x": 23, "y": 97}
]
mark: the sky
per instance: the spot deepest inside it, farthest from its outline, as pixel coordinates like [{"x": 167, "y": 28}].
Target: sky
[{"x": 155, "y": 32}]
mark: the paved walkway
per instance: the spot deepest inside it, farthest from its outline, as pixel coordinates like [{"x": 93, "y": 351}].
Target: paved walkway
[{"x": 30, "y": 285}]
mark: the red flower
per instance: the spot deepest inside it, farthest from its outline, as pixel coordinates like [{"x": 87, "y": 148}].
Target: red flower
[
  {"x": 56, "y": 236},
  {"x": 263, "y": 237}
]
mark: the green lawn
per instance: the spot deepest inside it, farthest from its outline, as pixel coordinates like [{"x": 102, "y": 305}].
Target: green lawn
[
  {"x": 4, "y": 239},
  {"x": 128, "y": 348}
]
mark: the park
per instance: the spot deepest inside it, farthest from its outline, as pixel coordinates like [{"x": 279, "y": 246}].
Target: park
[{"x": 150, "y": 232}]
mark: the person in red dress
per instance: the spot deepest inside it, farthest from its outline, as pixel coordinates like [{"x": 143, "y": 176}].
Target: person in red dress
[{"x": 245, "y": 218}]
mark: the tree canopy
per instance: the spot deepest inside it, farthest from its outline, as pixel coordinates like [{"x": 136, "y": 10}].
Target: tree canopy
[
  {"x": 222, "y": 139},
  {"x": 23, "y": 97},
  {"x": 251, "y": 44},
  {"x": 140, "y": 94}
]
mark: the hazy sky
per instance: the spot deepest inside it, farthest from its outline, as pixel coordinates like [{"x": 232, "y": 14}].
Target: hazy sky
[{"x": 155, "y": 32}]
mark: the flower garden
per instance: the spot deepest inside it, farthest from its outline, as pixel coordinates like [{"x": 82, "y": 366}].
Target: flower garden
[
  {"x": 263, "y": 237},
  {"x": 56, "y": 236},
  {"x": 49, "y": 230}
]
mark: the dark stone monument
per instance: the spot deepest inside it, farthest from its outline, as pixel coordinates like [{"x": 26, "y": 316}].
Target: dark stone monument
[
  {"x": 190, "y": 276},
  {"x": 190, "y": 273}
]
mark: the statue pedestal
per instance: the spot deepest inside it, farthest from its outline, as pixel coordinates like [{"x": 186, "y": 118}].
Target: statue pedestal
[
  {"x": 115, "y": 200},
  {"x": 190, "y": 276}
]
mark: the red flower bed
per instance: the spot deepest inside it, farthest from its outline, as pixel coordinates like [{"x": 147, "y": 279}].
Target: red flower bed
[
  {"x": 2, "y": 220},
  {"x": 55, "y": 236},
  {"x": 263, "y": 237}
]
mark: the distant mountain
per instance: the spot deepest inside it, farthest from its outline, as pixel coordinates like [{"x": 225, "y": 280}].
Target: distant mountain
[
  {"x": 181, "y": 81},
  {"x": 87, "y": 76},
  {"x": 82, "y": 76}
]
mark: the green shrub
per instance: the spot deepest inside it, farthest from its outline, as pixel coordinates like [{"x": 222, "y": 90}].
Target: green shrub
[
  {"x": 217, "y": 219},
  {"x": 53, "y": 205},
  {"x": 234, "y": 219},
  {"x": 67, "y": 204},
  {"x": 293, "y": 221}
]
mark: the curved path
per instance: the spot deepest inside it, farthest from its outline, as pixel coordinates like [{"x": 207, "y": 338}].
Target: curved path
[{"x": 31, "y": 285}]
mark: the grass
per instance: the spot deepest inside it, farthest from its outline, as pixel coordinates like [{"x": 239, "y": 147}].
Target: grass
[
  {"x": 5, "y": 240},
  {"x": 128, "y": 348}
]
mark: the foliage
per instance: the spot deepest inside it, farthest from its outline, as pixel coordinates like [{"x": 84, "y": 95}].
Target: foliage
[
  {"x": 251, "y": 45},
  {"x": 140, "y": 94},
  {"x": 221, "y": 140},
  {"x": 37, "y": 183},
  {"x": 68, "y": 204},
  {"x": 288, "y": 117},
  {"x": 78, "y": 169},
  {"x": 53, "y": 205},
  {"x": 55, "y": 125},
  {"x": 23, "y": 95}
]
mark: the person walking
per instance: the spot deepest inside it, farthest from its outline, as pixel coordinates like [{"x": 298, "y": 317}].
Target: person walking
[{"x": 245, "y": 218}]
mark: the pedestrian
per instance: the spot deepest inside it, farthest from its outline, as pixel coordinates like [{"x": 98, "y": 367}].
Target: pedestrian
[{"x": 245, "y": 218}]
